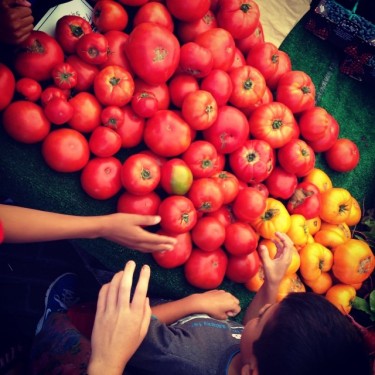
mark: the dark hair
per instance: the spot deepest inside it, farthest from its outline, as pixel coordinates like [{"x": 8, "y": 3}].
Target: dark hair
[{"x": 308, "y": 335}]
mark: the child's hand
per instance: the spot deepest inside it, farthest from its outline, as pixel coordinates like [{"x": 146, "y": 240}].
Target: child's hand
[
  {"x": 275, "y": 269},
  {"x": 219, "y": 304}
]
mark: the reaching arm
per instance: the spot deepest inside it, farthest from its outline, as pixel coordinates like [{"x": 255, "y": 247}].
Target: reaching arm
[
  {"x": 218, "y": 304},
  {"x": 274, "y": 271},
  {"x": 28, "y": 225}
]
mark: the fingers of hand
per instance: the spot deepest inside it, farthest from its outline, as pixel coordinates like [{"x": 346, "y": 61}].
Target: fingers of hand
[
  {"x": 126, "y": 283},
  {"x": 140, "y": 294}
]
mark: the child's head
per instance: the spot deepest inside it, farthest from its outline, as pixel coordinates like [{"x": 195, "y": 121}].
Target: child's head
[{"x": 306, "y": 334}]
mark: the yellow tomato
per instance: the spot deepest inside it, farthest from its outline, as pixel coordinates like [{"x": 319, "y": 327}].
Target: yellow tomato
[
  {"x": 275, "y": 218},
  {"x": 331, "y": 235},
  {"x": 272, "y": 250},
  {"x": 342, "y": 296},
  {"x": 315, "y": 259},
  {"x": 321, "y": 284},
  {"x": 335, "y": 205},
  {"x": 299, "y": 231},
  {"x": 314, "y": 224},
  {"x": 319, "y": 178},
  {"x": 353, "y": 261},
  {"x": 290, "y": 284},
  {"x": 355, "y": 213}
]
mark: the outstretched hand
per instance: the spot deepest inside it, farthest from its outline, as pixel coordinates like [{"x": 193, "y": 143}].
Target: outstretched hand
[
  {"x": 120, "y": 323},
  {"x": 127, "y": 230},
  {"x": 16, "y": 21}
]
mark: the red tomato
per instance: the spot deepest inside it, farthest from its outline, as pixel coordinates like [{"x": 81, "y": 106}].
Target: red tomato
[
  {"x": 206, "y": 195},
  {"x": 156, "y": 13},
  {"x": 104, "y": 142},
  {"x": 133, "y": 2},
  {"x": 114, "y": 85},
  {"x": 66, "y": 150},
  {"x": 109, "y": 15},
  {"x": 176, "y": 177},
  {"x": 267, "y": 98},
  {"x": 178, "y": 255},
  {"x": 296, "y": 157},
  {"x": 153, "y": 52},
  {"x": 181, "y": 85},
  {"x": 167, "y": 134},
  {"x": 116, "y": 49},
  {"x": 296, "y": 90},
  {"x": 140, "y": 174},
  {"x": 281, "y": 183},
  {"x": 261, "y": 187},
  {"x": 228, "y": 183},
  {"x": 314, "y": 123},
  {"x": 7, "y": 86},
  {"x": 219, "y": 84},
  {"x": 253, "y": 161},
  {"x": 242, "y": 268},
  {"x": 206, "y": 270},
  {"x": 144, "y": 103},
  {"x": 248, "y": 204},
  {"x": 305, "y": 200},
  {"x": 68, "y": 31},
  {"x": 270, "y": 61},
  {"x": 59, "y": 111},
  {"x": 188, "y": 11},
  {"x": 249, "y": 86},
  {"x": 208, "y": 233},
  {"x": 87, "y": 110},
  {"x": 239, "y": 60},
  {"x": 25, "y": 121},
  {"x": 240, "y": 238},
  {"x": 146, "y": 204},
  {"x": 255, "y": 38},
  {"x": 177, "y": 213},
  {"x": 328, "y": 139},
  {"x": 187, "y": 31},
  {"x": 86, "y": 72},
  {"x": 160, "y": 160},
  {"x": 195, "y": 60},
  {"x": 101, "y": 178},
  {"x": 131, "y": 128},
  {"x": 343, "y": 156},
  {"x": 224, "y": 214},
  {"x": 161, "y": 92},
  {"x": 229, "y": 131},
  {"x": 221, "y": 44},
  {"x": 240, "y": 18},
  {"x": 201, "y": 157},
  {"x": 93, "y": 48},
  {"x": 274, "y": 123},
  {"x": 50, "y": 93},
  {"x": 112, "y": 116},
  {"x": 28, "y": 88},
  {"x": 40, "y": 52},
  {"x": 64, "y": 76}
]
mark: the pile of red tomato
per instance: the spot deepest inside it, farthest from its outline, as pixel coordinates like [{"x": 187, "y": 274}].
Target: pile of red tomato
[{"x": 222, "y": 136}]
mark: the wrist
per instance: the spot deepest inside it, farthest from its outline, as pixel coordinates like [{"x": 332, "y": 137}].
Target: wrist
[{"x": 99, "y": 368}]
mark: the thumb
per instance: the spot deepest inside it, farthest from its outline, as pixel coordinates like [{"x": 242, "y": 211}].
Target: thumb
[
  {"x": 15, "y": 3},
  {"x": 264, "y": 254}
]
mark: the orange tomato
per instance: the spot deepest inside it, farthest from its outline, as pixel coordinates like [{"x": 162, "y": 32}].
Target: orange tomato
[
  {"x": 331, "y": 235},
  {"x": 355, "y": 213},
  {"x": 315, "y": 259},
  {"x": 314, "y": 224},
  {"x": 299, "y": 231},
  {"x": 342, "y": 296},
  {"x": 254, "y": 283},
  {"x": 319, "y": 178},
  {"x": 335, "y": 205},
  {"x": 321, "y": 284},
  {"x": 353, "y": 261},
  {"x": 275, "y": 218},
  {"x": 290, "y": 284},
  {"x": 272, "y": 249}
]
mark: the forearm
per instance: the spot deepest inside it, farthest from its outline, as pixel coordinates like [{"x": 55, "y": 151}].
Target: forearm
[
  {"x": 28, "y": 225},
  {"x": 172, "y": 311},
  {"x": 267, "y": 294}
]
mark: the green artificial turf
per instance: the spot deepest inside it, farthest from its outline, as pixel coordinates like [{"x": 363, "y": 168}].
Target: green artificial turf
[{"x": 25, "y": 177}]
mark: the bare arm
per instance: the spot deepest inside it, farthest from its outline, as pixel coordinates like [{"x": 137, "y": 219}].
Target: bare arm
[
  {"x": 28, "y": 225},
  {"x": 218, "y": 304},
  {"x": 274, "y": 270}
]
